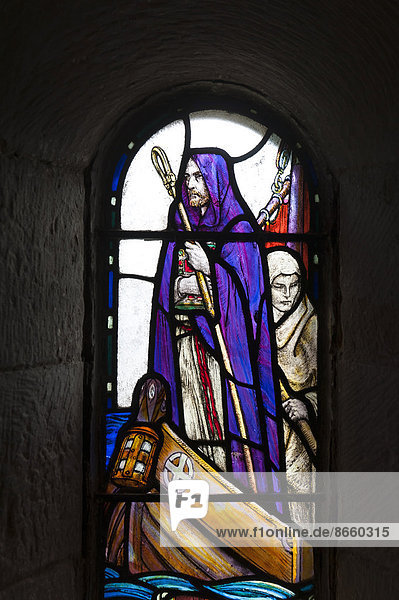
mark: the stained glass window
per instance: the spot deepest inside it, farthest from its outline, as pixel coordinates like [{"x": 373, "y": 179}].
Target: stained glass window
[{"x": 208, "y": 350}]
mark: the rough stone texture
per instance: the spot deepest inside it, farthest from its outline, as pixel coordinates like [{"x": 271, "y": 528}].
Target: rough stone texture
[
  {"x": 42, "y": 248},
  {"x": 59, "y": 581},
  {"x": 368, "y": 365},
  {"x": 366, "y": 408},
  {"x": 361, "y": 576},
  {"x": 70, "y": 72},
  {"x": 329, "y": 64},
  {"x": 41, "y": 379},
  {"x": 40, "y": 518}
]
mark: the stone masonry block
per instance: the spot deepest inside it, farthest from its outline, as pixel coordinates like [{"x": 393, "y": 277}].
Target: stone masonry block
[
  {"x": 41, "y": 468},
  {"x": 41, "y": 280}
]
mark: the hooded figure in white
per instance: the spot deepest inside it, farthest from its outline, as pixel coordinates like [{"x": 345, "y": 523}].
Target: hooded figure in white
[{"x": 296, "y": 338}]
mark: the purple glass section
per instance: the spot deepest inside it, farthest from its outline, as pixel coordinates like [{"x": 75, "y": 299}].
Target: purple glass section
[
  {"x": 295, "y": 215},
  {"x": 239, "y": 280}
]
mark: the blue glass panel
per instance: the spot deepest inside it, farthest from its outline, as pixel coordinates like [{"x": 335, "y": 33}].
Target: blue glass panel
[
  {"x": 117, "y": 591},
  {"x": 111, "y": 574},
  {"x": 254, "y": 590},
  {"x": 169, "y": 582},
  {"x": 307, "y": 588},
  {"x": 114, "y": 422},
  {"x": 237, "y": 590},
  {"x": 110, "y": 288},
  {"x": 117, "y": 172}
]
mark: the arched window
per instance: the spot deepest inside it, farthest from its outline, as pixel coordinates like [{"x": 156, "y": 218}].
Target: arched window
[{"x": 207, "y": 351}]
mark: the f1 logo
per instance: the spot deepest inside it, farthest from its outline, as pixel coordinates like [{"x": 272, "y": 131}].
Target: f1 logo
[{"x": 187, "y": 500}]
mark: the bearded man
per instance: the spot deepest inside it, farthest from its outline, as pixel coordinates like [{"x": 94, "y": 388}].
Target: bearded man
[{"x": 184, "y": 348}]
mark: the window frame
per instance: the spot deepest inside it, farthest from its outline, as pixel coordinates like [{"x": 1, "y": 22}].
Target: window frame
[{"x": 156, "y": 113}]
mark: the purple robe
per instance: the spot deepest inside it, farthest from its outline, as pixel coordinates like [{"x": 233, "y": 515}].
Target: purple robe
[{"x": 238, "y": 282}]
